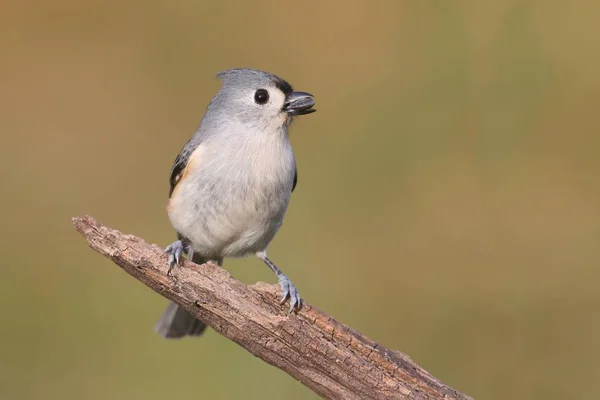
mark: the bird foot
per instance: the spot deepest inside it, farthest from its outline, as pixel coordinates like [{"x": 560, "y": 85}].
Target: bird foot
[
  {"x": 174, "y": 250},
  {"x": 289, "y": 290}
]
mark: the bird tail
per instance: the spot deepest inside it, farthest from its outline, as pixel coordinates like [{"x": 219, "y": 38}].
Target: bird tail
[{"x": 176, "y": 322}]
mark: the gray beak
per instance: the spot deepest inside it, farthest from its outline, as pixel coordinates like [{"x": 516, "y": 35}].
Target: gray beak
[{"x": 299, "y": 103}]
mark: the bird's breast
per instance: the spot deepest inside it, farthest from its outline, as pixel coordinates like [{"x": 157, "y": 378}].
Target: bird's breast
[{"x": 232, "y": 199}]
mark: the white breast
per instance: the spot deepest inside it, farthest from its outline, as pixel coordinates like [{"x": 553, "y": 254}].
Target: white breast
[{"x": 234, "y": 194}]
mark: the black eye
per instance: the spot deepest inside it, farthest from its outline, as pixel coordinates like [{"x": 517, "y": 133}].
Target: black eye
[{"x": 261, "y": 96}]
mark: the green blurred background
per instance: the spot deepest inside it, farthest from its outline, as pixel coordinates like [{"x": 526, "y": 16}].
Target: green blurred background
[{"x": 447, "y": 206}]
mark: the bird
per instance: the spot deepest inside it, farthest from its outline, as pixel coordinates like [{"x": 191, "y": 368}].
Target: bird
[{"x": 231, "y": 183}]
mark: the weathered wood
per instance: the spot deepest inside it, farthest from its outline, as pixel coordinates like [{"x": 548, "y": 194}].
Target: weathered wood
[{"x": 327, "y": 356}]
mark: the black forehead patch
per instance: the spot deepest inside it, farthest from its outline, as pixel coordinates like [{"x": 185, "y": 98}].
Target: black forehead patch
[{"x": 283, "y": 85}]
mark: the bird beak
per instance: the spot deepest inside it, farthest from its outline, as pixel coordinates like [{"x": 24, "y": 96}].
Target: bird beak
[{"x": 299, "y": 103}]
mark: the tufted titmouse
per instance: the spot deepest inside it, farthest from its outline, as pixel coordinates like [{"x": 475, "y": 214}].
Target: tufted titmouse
[{"x": 231, "y": 183}]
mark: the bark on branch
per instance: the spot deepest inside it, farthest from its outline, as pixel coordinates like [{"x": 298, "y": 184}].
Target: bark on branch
[{"x": 327, "y": 356}]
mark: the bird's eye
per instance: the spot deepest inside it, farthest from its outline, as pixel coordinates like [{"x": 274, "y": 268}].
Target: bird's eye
[{"x": 261, "y": 96}]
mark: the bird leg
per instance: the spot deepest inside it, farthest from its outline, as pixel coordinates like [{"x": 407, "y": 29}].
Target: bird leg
[
  {"x": 287, "y": 287},
  {"x": 174, "y": 250}
]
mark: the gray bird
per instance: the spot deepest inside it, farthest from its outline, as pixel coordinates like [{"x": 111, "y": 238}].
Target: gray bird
[{"x": 232, "y": 181}]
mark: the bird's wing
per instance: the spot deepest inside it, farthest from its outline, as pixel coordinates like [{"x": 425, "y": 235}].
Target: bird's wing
[
  {"x": 182, "y": 162},
  {"x": 177, "y": 171},
  {"x": 295, "y": 179}
]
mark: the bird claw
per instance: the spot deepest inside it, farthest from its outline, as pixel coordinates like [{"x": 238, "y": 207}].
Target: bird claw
[
  {"x": 174, "y": 250},
  {"x": 289, "y": 290}
]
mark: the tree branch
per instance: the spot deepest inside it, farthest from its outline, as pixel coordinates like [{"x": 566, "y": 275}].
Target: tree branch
[{"x": 330, "y": 358}]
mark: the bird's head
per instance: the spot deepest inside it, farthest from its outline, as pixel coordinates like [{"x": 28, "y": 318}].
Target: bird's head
[{"x": 260, "y": 99}]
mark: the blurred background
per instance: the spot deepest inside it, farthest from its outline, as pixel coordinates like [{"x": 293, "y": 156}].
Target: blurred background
[{"x": 448, "y": 202}]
